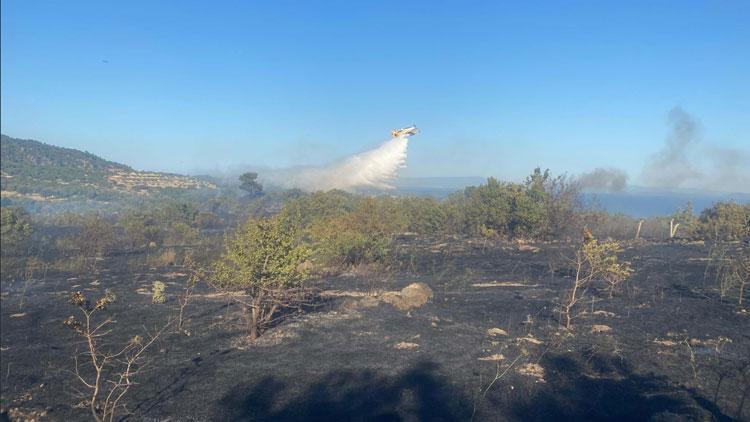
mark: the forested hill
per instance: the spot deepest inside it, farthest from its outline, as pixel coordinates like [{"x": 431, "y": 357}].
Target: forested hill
[{"x": 33, "y": 170}]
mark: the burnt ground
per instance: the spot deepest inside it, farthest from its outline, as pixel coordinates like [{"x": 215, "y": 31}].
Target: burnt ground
[{"x": 674, "y": 350}]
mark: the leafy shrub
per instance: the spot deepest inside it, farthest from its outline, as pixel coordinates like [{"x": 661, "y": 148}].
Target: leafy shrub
[
  {"x": 689, "y": 225},
  {"x": 320, "y": 206},
  {"x": 542, "y": 206},
  {"x": 593, "y": 261},
  {"x": 726, "y": 221},
  {"x": 158, "y": 295},
  {"x": 264, "y": 259},
  {"x": 364, "y": 235},
  {"x": 142, "y": 228},
  {"x": 425, "y": 215},
  {"x": 96, "y": 236},
  {"x": 176, "y": 223},
  {"x": 15, "y": 227}
]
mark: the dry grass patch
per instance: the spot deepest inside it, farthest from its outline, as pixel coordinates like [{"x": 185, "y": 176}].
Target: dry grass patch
[
  {"x": 268, "y": 339},
  {"x": 26, "y": 415},
  {"x": 598, "y": 329},
  {"x": 534, "y": 370},
  {"x": 493, "y": 358},
  {"x": 530, "y": 339},
  {"x": 223, "y": 294},
  {"x": 503, "y": 284},
  {"x": 346, "y": 293},
  {"x": 405, "y": 345},
  {"x": 492, "y": 332}
]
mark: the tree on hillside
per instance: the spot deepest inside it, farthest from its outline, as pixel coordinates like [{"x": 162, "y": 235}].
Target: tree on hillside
[{"x": 249, "y": 183}]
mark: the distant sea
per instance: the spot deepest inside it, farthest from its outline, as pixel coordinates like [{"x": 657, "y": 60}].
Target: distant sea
[
  {"x": 644, "y": 203},
  {"x": 634, "y": 201}
]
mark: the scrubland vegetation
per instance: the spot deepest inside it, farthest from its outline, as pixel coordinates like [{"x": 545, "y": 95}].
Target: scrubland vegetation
[{"x": 268, "y": 253}]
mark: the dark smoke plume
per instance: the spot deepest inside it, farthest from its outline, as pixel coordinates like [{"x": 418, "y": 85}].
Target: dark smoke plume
[
  {"x": 604, "y": 179},
  {"x": 671, "y": 167},
  {"x": 683, "y": 162}
]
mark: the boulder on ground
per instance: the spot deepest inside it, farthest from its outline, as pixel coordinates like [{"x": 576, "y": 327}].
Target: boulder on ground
[{"x": 410, "y": 297}]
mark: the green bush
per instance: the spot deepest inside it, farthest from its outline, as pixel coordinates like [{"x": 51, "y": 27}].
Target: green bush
[
  {"x": 726, "y": 221},
  {"x": 362, "y": 236},
  {"x": 540, "y": 207},
  {"x": 96, "y": 236},
  {"x": 425, "y": 215},
  {"x": 158, "y": 294},
  {"x": 320, "y": 206},
  {"x": 15, "y": 228},
  {"x": 142, "y": 228},
  {"x": 264, "y": 259}
]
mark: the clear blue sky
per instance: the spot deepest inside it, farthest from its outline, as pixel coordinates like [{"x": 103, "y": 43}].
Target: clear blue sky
[{"x": 496, "y": 88}]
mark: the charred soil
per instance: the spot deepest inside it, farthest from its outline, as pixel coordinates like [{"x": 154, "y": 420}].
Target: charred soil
[{"x": 488, "y": 345}]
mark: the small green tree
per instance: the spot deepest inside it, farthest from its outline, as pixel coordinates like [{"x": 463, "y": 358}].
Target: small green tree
[
  {"x": 264, "y": 259},
  {"x": 15, "y": 227},
  {"x": 593, "y": 261}
]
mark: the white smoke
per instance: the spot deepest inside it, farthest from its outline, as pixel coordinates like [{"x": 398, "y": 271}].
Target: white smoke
[{"x": 373, "y": 169}]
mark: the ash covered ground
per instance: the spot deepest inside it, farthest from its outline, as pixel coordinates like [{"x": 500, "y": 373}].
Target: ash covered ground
[{"x": 488, "y": 345}]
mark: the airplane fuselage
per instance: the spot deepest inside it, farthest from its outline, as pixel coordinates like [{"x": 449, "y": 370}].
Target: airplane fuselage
[{"x": 404, "y": 132}]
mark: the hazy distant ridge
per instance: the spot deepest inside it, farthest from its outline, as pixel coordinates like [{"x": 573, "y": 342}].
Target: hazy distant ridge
[{"x": 33, "y": 170}]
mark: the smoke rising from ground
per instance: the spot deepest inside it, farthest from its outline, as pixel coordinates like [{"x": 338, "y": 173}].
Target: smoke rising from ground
[
  {"x": 373, "y": 169},
  {"x": 671, "y": 166},
  {"x": 684, "y": 162},
  {"x": 604, "y": 179}
]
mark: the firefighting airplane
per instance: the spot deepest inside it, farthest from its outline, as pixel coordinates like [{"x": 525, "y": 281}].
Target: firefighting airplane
[{"x": 404, "y": 132}]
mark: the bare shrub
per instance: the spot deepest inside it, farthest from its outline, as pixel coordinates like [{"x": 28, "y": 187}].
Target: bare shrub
[
  {"x": 731, "y": 270},
  {"x": 34, "y": 266},
  {"x": 195, "y": 274},
  {"x": 107, "y": 373}
]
